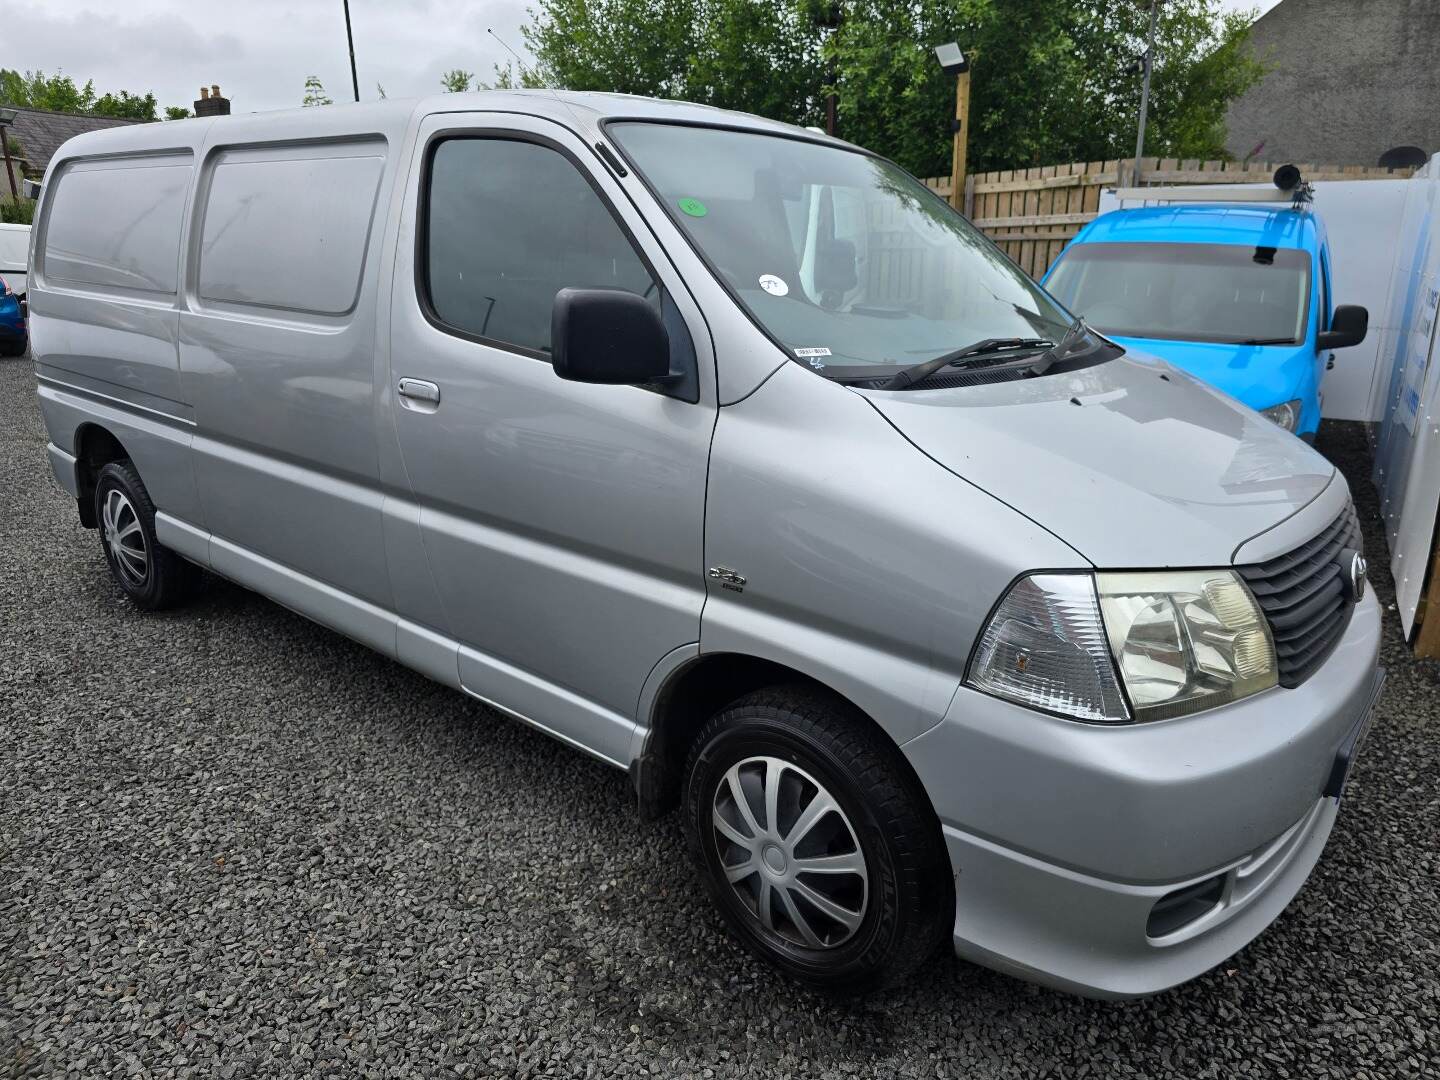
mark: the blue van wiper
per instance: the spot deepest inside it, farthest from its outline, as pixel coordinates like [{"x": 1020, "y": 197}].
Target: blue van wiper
[{"x": 956, "y": 358}]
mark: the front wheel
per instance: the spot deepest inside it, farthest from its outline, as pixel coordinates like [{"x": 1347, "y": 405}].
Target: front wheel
[
  {"x": 152, "y": 577},
  {"x": 816, "y": 842}
]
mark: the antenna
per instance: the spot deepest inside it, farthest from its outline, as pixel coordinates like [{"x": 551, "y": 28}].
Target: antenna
[
  {"x": 553, "y": 93},
  {"x": 604, "y": 151}
]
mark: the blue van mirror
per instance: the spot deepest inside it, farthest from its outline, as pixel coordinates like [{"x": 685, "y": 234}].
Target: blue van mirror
[{"x": 1348, "y": 326}]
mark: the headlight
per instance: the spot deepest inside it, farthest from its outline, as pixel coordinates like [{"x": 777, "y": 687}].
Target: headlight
[
  {"x": 1287, "y": 414},
  {"x": 1181, "y": 641},
  {"x": 1185, "y": 641}
]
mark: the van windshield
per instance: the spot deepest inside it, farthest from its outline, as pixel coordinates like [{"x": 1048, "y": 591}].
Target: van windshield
[
  {"x": 1231, "y": 293},
  {"x": 845, "y": 259}
]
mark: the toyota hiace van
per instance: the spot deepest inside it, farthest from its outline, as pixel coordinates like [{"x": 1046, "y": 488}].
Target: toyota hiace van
[{"x": 728, "y": 453}]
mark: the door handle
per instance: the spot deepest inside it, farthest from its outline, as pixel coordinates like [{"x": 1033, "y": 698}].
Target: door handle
[{"x": 419, "y": 390}]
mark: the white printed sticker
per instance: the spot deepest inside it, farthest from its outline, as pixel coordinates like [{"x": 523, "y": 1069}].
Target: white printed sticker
[
  {"x": 773, "y": 285},
  {"x": 812, "y": 352}
]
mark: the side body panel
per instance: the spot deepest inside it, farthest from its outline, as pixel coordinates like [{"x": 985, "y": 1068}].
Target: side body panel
[
  {"x": 277, "y": 340},
  {"x": 103, "y": 301},
  {"x": 867, "y": 566},
  {"x": 562, "y": 522}
]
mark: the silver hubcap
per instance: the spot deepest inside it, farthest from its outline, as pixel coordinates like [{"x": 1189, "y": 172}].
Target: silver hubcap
[
  {"x": 790, "y": 853},
  {"x": 124, "y": 537}
]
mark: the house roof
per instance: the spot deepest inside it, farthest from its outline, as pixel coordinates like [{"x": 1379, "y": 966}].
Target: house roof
[{"x": 41, "y": 132}]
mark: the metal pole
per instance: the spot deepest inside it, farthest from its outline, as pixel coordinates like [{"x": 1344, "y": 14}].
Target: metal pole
[
  {"x": 350, "y": 40},
  {"x": 962, "y": 134},
  {"x": 1145, "y": 92},
  {"x": 9, "y": 170},
  {"x": 833, "y": 15}
]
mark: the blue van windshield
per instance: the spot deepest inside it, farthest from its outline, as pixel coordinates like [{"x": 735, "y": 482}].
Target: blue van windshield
[
  {"x": 1228, "y": 293},
  {"x": 845, "y": 259}
]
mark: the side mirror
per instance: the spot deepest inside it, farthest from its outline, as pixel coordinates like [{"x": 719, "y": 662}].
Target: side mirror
[
  {"x": 1348, "y": 326},
  {"x": 607, "y": 336}
]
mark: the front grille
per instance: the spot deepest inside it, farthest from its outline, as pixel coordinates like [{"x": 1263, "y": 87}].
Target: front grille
[{"x": 1305, "y": 597}]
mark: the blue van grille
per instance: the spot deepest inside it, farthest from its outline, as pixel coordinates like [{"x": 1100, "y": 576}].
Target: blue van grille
[{"x": 1306, "y": 597}]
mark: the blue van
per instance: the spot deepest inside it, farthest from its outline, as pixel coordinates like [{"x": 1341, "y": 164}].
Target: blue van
[{"x": 1237, "y": 294}]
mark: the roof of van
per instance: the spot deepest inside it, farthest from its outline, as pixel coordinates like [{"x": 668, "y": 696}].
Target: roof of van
[
  {"x": 1206, "y": 223},
  {"x": 580, "y": 112}
]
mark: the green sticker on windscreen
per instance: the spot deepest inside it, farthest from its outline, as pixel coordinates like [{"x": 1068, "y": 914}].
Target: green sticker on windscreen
[{"x": 693, "y": 207}]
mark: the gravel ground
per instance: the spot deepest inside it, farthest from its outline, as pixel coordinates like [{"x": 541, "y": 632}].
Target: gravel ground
[{"x": 235, "y": 844}]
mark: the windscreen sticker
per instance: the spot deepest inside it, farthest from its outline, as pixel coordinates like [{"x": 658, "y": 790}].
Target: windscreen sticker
[
  {"x": 812, "y": 352},
  {"x": 694, "y": 207},
  {"x": 773, "y": 285}
]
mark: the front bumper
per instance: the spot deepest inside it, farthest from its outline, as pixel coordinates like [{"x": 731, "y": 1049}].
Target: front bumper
[{"x": 1064, "y": 836}]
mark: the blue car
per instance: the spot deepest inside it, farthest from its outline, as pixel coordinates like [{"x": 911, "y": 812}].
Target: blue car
[
  {"x": 1236, "y": 294},
  {"x": 12, "y": 321}
]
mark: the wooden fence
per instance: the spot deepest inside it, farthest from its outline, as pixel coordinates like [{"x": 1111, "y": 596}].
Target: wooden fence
[{"x": 1031, "y": 213}]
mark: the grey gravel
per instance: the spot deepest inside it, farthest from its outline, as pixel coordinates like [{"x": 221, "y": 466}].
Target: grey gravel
[{"x": 233, "y": 844}]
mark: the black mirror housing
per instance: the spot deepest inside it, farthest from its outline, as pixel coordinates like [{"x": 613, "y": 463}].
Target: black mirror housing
[
  {"x": 607, "y": 336},
  {"x": 1348, "y": 326}
]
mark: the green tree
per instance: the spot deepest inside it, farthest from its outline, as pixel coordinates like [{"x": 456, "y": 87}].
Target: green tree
[
  {"x": 36, "y": 90},
  {"x": 456, "y": 81},
  {"x": 58, "y": 92},
  {"x": 176, "y": 112},
  {"x": 127, "y": 106},
  {"x": 1052, "y": 80},
  {"x": 315, "y": 92}
]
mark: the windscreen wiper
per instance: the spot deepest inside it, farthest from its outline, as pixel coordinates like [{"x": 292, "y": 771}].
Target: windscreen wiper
[
  {"x": 1263, "y": 341},
  {"x": 986, "y": 347},
  {"x": 1066, "y": 350}
]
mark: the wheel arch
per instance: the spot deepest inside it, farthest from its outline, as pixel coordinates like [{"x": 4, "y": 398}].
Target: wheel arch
[
  {"x": 694, "y": 692},
  {"x": 95, "y": 447}
]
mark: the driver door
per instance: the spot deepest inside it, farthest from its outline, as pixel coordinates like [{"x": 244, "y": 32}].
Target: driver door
[{"x": 562, "y": 522}]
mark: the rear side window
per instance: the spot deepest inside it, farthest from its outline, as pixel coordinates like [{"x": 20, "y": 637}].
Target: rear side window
[
  {"x": 116, "y": 224},
  {"x": 287, "y": 227},
  {"x": 508, "y": 225}
]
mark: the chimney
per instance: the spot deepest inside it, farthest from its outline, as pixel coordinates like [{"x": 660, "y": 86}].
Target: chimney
[{"x": 211, "y": 103}]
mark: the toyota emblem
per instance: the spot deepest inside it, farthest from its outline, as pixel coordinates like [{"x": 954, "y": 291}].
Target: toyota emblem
[{"x": 1355, "y": 572}]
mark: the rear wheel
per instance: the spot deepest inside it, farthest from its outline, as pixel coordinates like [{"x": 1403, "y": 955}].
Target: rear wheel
[
  {"x": 152, "y": 577},
  {"x": 816, "y": 842}
]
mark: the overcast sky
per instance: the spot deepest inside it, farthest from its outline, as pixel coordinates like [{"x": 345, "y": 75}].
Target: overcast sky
[{"x": 260, "y": 51}]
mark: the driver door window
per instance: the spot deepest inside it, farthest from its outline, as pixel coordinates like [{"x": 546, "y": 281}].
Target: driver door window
[{"x": 508, "y": 225}]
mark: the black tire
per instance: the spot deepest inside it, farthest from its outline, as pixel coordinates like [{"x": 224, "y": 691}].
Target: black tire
[
  {"x": 908, "y": 891},
  {"x": 167, "y": 579}
]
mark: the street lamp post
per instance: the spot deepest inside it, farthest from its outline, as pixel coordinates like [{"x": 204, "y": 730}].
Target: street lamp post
[
  {"x": 7, "y": 117},
  {"x": 953, "y": 62},
  {"x": 1148, "y": 65},
  {"x": 350, "y": 41},
  {"x": 829, "y": 17}
]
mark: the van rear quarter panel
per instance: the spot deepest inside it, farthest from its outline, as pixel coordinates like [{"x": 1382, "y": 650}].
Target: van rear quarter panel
[
  {"x": 106, "y": 275},
  {"x": 103, "y": 295}
]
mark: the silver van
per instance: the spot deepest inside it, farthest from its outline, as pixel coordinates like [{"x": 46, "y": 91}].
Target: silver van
[{"x": 728, "y": 453}]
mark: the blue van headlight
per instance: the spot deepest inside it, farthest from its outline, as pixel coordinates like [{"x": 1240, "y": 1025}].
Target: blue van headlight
[
  {"x": 1286, "y": 414},
  {"x": 1178, "y": 642}
]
